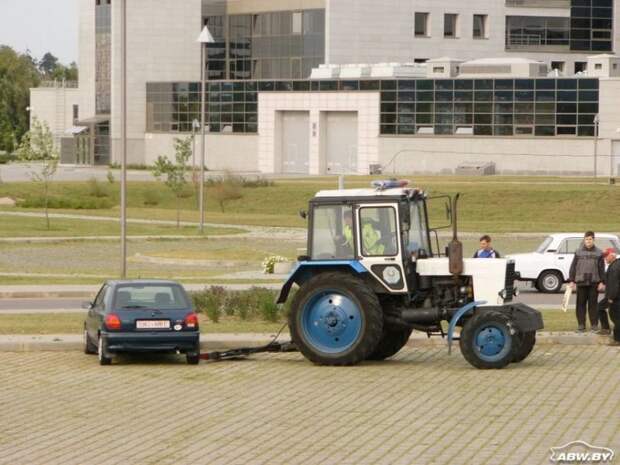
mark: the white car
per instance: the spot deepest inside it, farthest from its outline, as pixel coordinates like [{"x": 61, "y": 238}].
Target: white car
[{"x": 548, "y": 268}]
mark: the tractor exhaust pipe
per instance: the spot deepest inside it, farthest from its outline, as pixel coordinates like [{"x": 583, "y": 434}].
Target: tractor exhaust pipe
[{"x": 455, "y": 247}]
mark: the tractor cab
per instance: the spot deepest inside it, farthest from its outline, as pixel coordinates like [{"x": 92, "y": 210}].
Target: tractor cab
[{"x": 384, "y": 230}]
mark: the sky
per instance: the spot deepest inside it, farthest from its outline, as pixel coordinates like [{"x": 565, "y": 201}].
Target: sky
[{"x": 41, "y": 26}]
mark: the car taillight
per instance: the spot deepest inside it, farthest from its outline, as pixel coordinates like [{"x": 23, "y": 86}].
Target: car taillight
[
  {"x": 112, "y": 322},
  {"x": 191, "y": 321}
]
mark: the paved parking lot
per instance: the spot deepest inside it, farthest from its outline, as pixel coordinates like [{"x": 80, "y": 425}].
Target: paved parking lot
[{"x": 424, "y": 407}]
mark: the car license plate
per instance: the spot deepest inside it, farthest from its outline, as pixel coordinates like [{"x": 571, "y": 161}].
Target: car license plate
[{"x": 153, "y": 324}]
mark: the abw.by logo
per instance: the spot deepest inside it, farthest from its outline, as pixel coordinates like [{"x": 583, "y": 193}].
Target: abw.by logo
[{"x": 581, "y": 452}]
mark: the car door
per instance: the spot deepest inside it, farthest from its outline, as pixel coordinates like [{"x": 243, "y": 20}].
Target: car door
[
  {"x": 95, "y": 314},
  {"x": 566, "y": 254}
]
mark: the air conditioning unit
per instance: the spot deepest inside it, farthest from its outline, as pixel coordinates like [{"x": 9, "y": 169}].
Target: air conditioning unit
[{"x": 475, "y": 169}]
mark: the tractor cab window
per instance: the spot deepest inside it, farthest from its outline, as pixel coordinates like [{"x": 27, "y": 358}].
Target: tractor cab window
[
  {"x": 418, "y": 231},
  {"x": 378, "y": 231},
  {"x": 332, "y": 233}
]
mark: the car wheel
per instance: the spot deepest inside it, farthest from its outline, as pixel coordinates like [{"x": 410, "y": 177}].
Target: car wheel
[
  {"x": 550, "y": 282},
  {"x": 193, "y": 358},
  {"x": 102, "y": 352},
  {"x": 89, "y": 347}
]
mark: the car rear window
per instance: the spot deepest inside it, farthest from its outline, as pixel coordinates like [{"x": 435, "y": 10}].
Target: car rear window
[{"x": 166, "y": 296}]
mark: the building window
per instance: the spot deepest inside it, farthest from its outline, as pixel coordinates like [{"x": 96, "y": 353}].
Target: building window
[
  {"x": 480, "y": 27},
  {"x": 420, "y": 60},
  {"x": 580, "y": 66},
  {"x": 524, "y": 32},
  {"x": 558, "y": 65},
  {"x": 598, "y": 66},
  {"x": 76, "y": 113},
  {"x": 421, "y": 25},
  {"x": 450, "y": 24}
]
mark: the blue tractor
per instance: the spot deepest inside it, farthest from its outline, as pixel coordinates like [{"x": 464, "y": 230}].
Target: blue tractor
[{"x": 372, "y": 275}]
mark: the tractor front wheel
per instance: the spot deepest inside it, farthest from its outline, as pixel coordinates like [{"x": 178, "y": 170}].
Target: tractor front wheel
[
  {"x": 527, "y": 340},
  {"x": 488, "y": 340},
  {"x": 336, "y": 319}
]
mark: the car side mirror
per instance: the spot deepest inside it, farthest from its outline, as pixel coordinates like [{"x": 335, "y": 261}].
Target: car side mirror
[{"x": 87, "y": 305}]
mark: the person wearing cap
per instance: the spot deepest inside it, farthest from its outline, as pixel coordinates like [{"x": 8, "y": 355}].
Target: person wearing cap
[
  {"x": 611, "y": 302},
  {"x": 587, "y": 272}
]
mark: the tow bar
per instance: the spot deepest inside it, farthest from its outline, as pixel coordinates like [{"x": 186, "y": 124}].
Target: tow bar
[{"x": 247, "y": 351}]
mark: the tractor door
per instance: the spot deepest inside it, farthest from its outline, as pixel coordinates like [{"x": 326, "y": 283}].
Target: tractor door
[{"x": 379, "y": 244}]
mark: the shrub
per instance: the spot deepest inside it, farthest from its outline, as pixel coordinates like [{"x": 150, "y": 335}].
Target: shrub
[
  {"x": 110, "y": 177},
  {"x": 96, "y": 189},
  {"x": 151, "y": 198},
  {"x": 268, "y": 308},
  {"x": 6, "y": 158},
  {"x": 66, "y": 203},
  {"x": 253, "y": 303},
  {"x": 225, "y": 192}
]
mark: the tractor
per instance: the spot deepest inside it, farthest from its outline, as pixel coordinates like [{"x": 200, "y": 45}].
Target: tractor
[{"x": 372, "y": 275}]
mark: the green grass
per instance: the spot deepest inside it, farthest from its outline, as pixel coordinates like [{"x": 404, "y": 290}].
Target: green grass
[
  {"x": 490, "y": 204},
  {"x": 72, "y": 323},
  {"x": 16, "y": 226}
]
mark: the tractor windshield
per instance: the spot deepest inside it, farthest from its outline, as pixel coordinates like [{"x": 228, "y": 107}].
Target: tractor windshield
[
  {"x": 332, "y": 233},
  {"x": 418, "y": 232}
]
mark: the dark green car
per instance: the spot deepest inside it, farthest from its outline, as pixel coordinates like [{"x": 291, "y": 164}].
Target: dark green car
[{"x": 141, "y": 316}]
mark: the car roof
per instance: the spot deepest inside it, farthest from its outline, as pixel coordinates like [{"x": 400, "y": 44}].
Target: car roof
[
  {"x": 123, "y": 282},
  {"x": 562, "y": 236}
]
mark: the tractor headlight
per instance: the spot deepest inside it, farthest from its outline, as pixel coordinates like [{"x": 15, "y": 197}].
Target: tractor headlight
[{"x": 391, "y": 275}]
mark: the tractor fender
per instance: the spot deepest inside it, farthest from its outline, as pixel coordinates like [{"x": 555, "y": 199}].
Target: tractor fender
[
  {"x": 457, "y": 316},
  {"x": 524, "y": 317},
  {"x": 303, "y": 271}
]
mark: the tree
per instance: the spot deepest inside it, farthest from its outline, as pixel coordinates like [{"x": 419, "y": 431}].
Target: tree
[
  {"x": 48, "y": 64},
  {"x": 38, "y": 146},
  {"x": 18, "y": 73},
  {"x": 174, "y": 172}
]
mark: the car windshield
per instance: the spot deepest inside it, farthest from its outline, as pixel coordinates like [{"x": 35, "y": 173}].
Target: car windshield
[
  {"x": 160, "y": 296},
  {"x": 544, "y": 245}
]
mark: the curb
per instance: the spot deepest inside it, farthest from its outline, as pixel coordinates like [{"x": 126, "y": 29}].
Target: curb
[{"x": 210, "y": 342}]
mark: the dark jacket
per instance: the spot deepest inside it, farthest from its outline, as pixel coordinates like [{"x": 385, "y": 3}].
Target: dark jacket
[
  {"x": 588, "y": 266},
  {"x": 612, "y": 281}
]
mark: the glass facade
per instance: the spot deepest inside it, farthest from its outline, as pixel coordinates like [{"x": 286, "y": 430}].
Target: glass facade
[
  {"x": 103, "y": 56},
  {"x": 591, "y": 25},
  {"x": 480, "y": 107},
  {"x": 273, "y": 45}
]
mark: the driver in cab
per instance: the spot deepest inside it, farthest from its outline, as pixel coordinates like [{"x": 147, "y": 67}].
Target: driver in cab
[{"x": 370, "y": 236}]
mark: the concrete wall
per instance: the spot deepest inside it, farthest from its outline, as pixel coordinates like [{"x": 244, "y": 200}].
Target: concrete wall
[
  {"x": 224, "y": 152},
  {"x": 54, "y": 105},
  {"x": 161, "y": 47},
  {"x": 514, "y": 155},
  {"x": 86, "y": 57},
  {"x": 258, "y": 6},
  {"x": 367, "y": 31}
]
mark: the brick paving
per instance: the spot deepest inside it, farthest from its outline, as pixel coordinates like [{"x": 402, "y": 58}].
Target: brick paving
[{"x": 423, "y": 407}]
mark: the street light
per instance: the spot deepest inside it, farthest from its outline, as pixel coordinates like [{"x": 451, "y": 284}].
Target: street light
[
  {"x": 204, "y": 38},
  {"x": 124, "y": 139},
  {"x": 195, "y": 127}
]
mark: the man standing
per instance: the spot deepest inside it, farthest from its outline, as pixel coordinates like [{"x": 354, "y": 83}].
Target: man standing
[
  {"x": 612, "y": 296},
  {"x": 586, "y": 276},
  {"x": 486, "y": 249}
]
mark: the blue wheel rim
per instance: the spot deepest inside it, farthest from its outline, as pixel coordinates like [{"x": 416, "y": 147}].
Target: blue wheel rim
[
  {"x": 331, "y": 322},
  {"x": 492, "y": 342}
]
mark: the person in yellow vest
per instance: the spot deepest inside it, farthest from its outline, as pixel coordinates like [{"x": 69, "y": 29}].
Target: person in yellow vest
[{"x": 370, "y": 236}]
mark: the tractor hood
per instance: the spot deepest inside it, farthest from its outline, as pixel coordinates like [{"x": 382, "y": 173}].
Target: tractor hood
[{"x": 489, "y": 275}]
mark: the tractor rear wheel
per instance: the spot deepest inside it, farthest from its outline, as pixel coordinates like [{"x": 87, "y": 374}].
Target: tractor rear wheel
[
  {"x": 527, "y": 340},
  {"x": 336, "y": 319},
  {"x": 488, "y": 340},
  {"x": 391, "y": 342}
]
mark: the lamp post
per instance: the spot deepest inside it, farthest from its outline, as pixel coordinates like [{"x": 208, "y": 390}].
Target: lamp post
[
  {"x": 195, "y": 127},
  {"x": 204, "y": 38},
  {"x": 597, "y": 120},
  {"x": 124, "y": 139}
]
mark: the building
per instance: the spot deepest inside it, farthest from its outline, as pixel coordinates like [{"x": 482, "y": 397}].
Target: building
[{"x": 330, "y": 86}]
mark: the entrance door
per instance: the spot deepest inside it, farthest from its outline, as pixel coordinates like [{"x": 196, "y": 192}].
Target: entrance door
[
  {"x": 341, "y": 144},
  {"x": 295, "y": 142}
]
